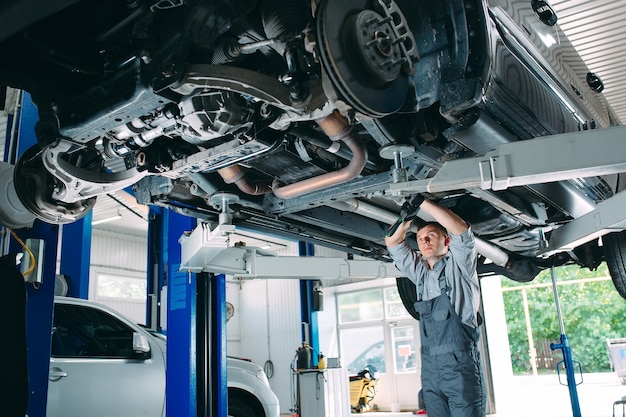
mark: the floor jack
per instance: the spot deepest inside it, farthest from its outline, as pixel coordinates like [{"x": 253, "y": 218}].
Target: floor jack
[{"x": 567, "y": 361}]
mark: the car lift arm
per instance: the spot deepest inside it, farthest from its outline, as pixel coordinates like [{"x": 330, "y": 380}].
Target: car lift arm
[
  {"x": 607, "y": 217},
  {"x": 542, "y": 160},
  {"x": 206, "y": 250},
  {"x": 533, "y": 161}
]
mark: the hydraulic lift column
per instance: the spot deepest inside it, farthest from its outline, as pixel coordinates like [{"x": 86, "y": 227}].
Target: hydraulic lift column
[
  {"x": 40, "y": 295},
  {"x": 207, "y": 250},
  {"x": 196, "y": 355}
]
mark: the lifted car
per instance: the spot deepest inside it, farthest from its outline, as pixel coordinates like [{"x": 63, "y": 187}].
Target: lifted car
[{"x": 299, "y": 115}]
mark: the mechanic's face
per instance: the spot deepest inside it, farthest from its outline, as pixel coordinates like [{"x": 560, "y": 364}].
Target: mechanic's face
[{"x": 432, "y": 243}]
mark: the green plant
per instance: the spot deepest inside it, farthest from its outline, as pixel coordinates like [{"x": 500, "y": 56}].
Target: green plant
[{"x": 592, "y": 312}]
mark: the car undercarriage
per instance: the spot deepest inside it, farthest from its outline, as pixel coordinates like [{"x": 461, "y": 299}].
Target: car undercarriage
[{"x": 299, "y": 115}]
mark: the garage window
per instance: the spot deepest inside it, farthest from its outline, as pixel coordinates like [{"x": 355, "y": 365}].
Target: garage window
[
  {"x": 360, "y": 306},
  {"x": 369, "y": 320},
  {"x": 371, "y": 304},
  {"x": 121, "y": 287}
]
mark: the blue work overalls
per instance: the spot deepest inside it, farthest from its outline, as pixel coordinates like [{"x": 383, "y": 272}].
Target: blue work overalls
[{"x": 451, "y": 371}]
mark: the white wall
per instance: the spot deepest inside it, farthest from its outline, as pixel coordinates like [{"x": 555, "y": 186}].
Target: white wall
[
  {"x": 120, "y": 255},
  {"x": 266, "y": 326}
]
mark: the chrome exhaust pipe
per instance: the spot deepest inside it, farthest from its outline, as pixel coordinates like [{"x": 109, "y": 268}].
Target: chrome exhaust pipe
[
  {"x": 486, "y": 249},
  {"x": 337, "y": 128}
]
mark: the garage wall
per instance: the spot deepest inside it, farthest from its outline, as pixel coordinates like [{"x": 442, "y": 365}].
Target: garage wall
[
  {"x": 123, "y": 256},
  {"x": 266, "y": 326}
]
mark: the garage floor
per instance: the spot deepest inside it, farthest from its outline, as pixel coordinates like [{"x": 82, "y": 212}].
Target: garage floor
[{"x": 543, "y": 396}]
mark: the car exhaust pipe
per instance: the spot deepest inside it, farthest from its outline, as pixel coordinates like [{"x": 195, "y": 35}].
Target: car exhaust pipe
[
  {"x": 486, "y": 249},
  {"x": 236, "y": 174},
  {"x": 337, "y": 128}
]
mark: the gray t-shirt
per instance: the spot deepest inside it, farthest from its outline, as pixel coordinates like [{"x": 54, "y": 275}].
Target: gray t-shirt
[{"x": 460, "y": 272}]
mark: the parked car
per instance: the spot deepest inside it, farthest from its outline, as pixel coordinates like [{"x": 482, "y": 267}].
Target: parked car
[
  {"x": 103, "y": 364},
  {"x": 373, "y": 355},
  {"x": 300, "y": 115}
]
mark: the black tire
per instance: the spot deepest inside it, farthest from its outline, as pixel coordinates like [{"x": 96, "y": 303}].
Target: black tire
[
  {"x": 240, "y": 408},
  {"x": 408, "y": 295},
  {"x": 615, "y": 257}
]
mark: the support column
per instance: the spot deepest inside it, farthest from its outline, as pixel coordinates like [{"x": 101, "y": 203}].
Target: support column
[
  {"x": 211, "y": 345},
  {"x": 157, "y": 261},
  {"x": 39, "y": 307},
  {"x": 196, "y": 341},
  {"x": 76, "y": 256},
  {"x": 306, "y": 302},
  {"x": 182, "y": 356},
  {"x": 39, "y": 296}
]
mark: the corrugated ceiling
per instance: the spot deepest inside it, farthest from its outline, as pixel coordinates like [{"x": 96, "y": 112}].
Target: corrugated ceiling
[{"x": 597, "y": 30}]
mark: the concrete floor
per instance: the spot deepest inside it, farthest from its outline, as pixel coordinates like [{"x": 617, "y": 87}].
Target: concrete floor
[{"x": 543, "y": 396}]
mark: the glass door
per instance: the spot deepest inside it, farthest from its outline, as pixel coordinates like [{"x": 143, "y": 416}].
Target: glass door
[
  {"x": 376, "y": 330},
  {"x": 403, "y": 336}
]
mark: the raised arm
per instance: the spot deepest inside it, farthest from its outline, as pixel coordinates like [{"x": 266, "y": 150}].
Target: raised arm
[
  {"x": 452, "y": 222},
  {"x": 399, "y": 235},
  {"x": 444, "y": 216}
]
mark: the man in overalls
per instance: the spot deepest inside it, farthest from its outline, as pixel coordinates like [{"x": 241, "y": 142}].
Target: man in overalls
[{"x": 448, "y": 298}]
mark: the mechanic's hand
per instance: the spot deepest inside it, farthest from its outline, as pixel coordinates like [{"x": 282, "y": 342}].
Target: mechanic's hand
[
  {"x": 409, "y": 209},
  {"x": 408, "y": 212}
]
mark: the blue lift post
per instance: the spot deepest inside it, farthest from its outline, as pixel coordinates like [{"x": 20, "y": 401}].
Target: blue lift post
[
  {"x": 164, "y": 229},
  {"x": 39, "y": 307},
  {"x": 40, "y": 296},
  {"x": 196, "y": 322},
  {"x": 306, "y": 302},
  {"x": 76, "y": 256},
  {"x": 567, "y": 353}
]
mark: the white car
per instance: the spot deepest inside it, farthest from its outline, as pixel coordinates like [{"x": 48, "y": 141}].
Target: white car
[{"x": 103, "y": 364}]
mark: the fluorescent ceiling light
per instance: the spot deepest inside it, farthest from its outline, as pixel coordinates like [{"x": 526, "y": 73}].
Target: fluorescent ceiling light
[{"x": 107, "y": 219}]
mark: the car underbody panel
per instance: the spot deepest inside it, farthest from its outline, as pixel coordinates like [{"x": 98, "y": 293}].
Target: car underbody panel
[{"x": 307, "y": 113}]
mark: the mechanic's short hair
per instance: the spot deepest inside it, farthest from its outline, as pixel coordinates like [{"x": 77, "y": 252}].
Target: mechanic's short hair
[{"x": 438, "y": 225}]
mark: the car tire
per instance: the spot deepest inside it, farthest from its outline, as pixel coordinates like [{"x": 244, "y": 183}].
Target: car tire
[
  {"x": 240, "y": 408},
  {"x": 408, "y": 295},
  {"x": 615, "y": 257}
]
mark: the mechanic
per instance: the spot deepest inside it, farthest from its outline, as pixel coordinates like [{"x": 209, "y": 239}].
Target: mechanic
[{"x": 448, "y": 298}]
